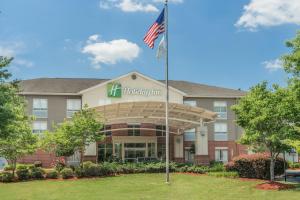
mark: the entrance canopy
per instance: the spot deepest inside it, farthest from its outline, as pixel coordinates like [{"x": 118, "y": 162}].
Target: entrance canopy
[{"x": 181, "y": 117}]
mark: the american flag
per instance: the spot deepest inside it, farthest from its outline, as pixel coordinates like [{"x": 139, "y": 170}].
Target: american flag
[{"x": 155, "y": 30}]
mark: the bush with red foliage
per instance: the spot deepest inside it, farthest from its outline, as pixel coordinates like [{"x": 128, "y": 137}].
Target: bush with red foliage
[{"x": 255, "y": 166}]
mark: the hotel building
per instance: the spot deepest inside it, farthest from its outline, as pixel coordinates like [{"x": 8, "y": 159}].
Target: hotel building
[{"x": 202, "y": 125}]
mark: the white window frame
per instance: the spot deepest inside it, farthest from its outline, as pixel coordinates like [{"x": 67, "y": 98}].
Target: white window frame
[
  {"x": 221, "y": 154},
  {"x": 190, "y": 135},
  {"x": 220, "y": 135},
  {"x": 40, "y": 111},
  {"x": 41, "y": 128},
  {"x": 192, "y": 103},
  {"x": 218, "y": 105},
  {"x": 71, "y": 111}
]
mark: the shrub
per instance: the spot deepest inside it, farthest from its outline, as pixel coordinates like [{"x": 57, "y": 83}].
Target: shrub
[
  {"x": 79, "y": 172},
  {"x": 37, "y": 173},
  {"x": 59, "y": 164},
  {"x": 224, "y": 174},
  {"x": 67, "y": 173},
  {"x": 8, "y": 168},
  {"x": 23, "y": 172},
  {"x": 255, "y": 166},
  {"x": 53, "y": 174},
  {"x": 90, "y": 169},
  {"x": 6, "y": 177},
  {"x": 294, "y": 165},
  {"x": 217, "y": 167},
  {"x": 38, "y": 164}
]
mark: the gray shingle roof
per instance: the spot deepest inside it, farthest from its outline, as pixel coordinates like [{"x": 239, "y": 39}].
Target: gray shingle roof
[{"x": 75, "y": 85}]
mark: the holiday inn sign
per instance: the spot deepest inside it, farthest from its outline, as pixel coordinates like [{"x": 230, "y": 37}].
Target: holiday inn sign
[{"x": 115, "y": 90}]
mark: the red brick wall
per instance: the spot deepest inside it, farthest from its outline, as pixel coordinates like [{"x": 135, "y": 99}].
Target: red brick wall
[
  {"x": 234, "y": 149},
  {"x": 148, "y": 132},
  {"x": 40, "y": 155},
  {"x": 119, "y": 132}
]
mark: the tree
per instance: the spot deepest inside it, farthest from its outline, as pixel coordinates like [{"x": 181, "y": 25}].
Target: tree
[
  {"x": 291, "y": 64},
  {"x": 16, "y": 138},
  {"x": 75, "y": 134},
  {"x": 10, "y": 100},
  {"x": 19, "y": 143},
  {"x": 268, "y": 116}
]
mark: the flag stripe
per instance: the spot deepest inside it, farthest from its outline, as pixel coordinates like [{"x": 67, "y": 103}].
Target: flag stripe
[{"x": 157, "y": 28}]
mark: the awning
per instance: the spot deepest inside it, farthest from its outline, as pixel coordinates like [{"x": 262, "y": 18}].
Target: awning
[{"x": 181, "y": 117}]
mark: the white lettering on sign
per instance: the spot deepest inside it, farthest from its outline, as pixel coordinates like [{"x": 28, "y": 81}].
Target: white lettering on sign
[{"x": 141, "y": 91}]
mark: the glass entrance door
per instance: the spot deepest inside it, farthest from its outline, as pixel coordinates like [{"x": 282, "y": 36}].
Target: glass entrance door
[{"x": 134, "y": 151}]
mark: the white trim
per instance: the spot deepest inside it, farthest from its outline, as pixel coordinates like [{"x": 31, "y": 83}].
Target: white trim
[
  {"x": 128, "y": 74},
  {"x": 221, "y": 148}
]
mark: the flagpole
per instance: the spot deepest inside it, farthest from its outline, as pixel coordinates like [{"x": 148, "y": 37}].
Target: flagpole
[{"x": 167, "y": 94}]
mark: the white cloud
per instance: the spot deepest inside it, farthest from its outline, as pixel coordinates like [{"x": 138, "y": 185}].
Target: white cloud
[
  {"x": 170, "y": 1},
  {"x": 273, "y": 65},
  {"x": 10, "y": 49},
  {"x": 134, "y": 5},
  {"x": 265, "y": 13},
  {"x": 15, "y": 49},
  {"x": 110, "y": 52},
  {"x": 23, "y": 62}
]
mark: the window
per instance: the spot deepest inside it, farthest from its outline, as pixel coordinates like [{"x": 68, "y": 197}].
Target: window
[
  {"x": 107, "y": 130},
  {"x": 105, "y": 152},
  {"x": 220, "y": 107},
  {"x": 189, "y": 154},
  {"x": 73, "y": 105},
  {"x": 160, "y": 131},
  {"x": 161, "y": 151},
  {"x": 151, "y": 150},
  {"x": 190, "y": 103},
  {"x": 134, "y": 151},
  {"x": 39, "y": 126},
  {"x": 40, "y": 108},
  {"x": 221, "y": 132},
  {"x": 118, "y": 150},
  {"x": 189, "y": 135},
  {"x": 221, "y": 155},
  {"x": 134, "y": 130}
]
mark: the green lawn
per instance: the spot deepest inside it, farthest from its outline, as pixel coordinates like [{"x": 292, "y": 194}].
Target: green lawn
[{"x": 142, "y": 186}]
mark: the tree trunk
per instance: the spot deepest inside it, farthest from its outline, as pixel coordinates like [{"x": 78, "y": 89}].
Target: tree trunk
[
  {"x": 272, "y": 166},
  {"x": 14, "y": 163}
]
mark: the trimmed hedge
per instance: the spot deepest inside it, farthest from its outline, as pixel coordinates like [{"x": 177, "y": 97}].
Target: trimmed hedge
[
  {"x": 67, "y": 173},
  {"x": 6, "y": 177},
  {"x": 37, "y": 173},
  {"x": 52, "y": 174},
  {"x": 255, "y": 166},
  {"x": 294, "y": 165},
  {"x": 23, "y": 172}
]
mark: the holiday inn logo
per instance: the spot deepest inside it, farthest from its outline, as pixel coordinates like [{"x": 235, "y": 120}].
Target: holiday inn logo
[{"x": 114, "y": 90}]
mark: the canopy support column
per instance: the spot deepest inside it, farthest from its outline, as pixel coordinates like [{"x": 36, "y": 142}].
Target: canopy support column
[{"x": 201, "y": 145}]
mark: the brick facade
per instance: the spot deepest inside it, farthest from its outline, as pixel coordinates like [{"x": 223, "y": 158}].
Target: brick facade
[{"x": 234, "y": 149}]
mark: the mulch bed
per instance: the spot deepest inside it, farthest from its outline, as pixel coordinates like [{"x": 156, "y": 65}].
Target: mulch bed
[{"x": 274, "y": 186}]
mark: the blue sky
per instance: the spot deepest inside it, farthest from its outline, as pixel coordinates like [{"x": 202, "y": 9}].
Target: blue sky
[{"x": 225, "y": 43}]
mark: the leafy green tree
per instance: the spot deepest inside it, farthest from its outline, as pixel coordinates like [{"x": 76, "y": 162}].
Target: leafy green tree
[
  {"x": 75, "y": 134},
  {"x": 10, "y": 101},
  {"x": 16, "y": 138},
  {"x": 291, "y": 64},
  {"x": 269, "y": 118},
  {"x": 19, "y": 143}
]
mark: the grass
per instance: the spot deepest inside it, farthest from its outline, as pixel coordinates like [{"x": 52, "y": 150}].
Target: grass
[{"x": 142, "y": 186}]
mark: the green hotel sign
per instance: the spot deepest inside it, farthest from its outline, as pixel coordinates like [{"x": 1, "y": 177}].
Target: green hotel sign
[{"x": 114, "y": 90}]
